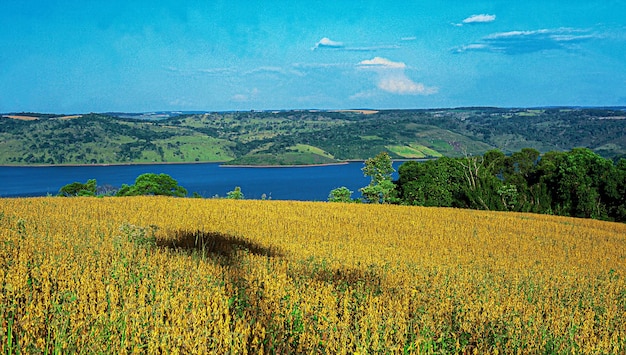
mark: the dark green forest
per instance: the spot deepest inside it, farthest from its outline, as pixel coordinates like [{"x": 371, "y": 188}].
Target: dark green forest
[{"x": 577, "y": 183}]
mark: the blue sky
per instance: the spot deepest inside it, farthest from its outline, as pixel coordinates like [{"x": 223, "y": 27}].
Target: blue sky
[{"x": 75, "y": 56}]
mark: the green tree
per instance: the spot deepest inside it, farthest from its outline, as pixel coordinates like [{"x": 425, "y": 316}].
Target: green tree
[
  {"x": 340, "y": 194},
  {"x": 79, "y": 189},
  {"x": 508, "y": 194},
  {"x": 580, "y": 183},
  {"x": 379, "y": 169},
  {"x": 432, "y": 183},
  {"x": 618, "y": 191},
  {"x": 153, "y": 184},
  {"x": 235, "y": 194},
  {"x": 495, "y": 161},
  {"x": 480, "y": 183}
]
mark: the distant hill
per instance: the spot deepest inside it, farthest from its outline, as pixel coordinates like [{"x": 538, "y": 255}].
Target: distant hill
[{"x": 303, "y": 136}]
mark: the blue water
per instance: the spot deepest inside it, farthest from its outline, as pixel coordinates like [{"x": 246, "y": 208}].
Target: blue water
[{"x": 279, "y": 183}]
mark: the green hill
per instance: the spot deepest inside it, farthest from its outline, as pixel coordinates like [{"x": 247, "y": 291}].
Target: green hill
[{"x": 303, "y": 137}]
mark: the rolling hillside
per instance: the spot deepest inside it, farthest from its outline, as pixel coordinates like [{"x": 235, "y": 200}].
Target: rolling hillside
[{"x": 302, "y": 137}]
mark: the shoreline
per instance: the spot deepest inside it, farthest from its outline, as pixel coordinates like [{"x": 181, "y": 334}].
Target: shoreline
[
  {"x": 221, "y": 164},
  {"x": 108, "y": 164},
  {"x": 284, "y": 166}
]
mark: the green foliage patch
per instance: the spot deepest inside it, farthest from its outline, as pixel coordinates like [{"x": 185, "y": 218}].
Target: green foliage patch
[{"x": 577, "y": 183}]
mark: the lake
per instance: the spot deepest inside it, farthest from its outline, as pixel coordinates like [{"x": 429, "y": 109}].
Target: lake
[{"x": 311, "y": 183}]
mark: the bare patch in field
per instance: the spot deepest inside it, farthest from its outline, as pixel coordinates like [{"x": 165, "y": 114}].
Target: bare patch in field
[
  {"x": 363, "y": 112},
  {"x": 34, "y": 118},
  {"x": 68, "y": 117}
]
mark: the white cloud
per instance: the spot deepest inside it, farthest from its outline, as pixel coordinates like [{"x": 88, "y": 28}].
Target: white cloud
[
  {"x": 327, "y": 43},
  {"x": 240, "y": 98},
  {"x": 274, "y": 70},
  {"x": 216, "y": 71},
  {"x": 412, "y": 38},
  {"x": 320, "y": 65},
  {"x": 512, "y": 34},
  {"x": 402, "y": 85},
  {"x": 482, "y": 18},
  {"x": 391, "y": 78},
  {"x": 471, "y": 47},
  {"x": 371, "y": 48},
  {"x": 181, "y": 103},
  {"x": 364, "y": 95},
  {"x": 378, "y": 62},
  {"x": 265, "y": 70},
  {"x": 251, "y": 95},
  {"x": 521, "y": 42},
  {"x": 204, "y": 71}
]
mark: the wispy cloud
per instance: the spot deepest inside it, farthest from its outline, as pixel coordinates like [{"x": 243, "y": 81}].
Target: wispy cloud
[
  {"x": 402, "y": 85},
  {"x": 327, "y": 43},
  {"x": 476, "y": 19},
  {"x": 482, "y": 18},
  {"x": 372, "y": 48},
  {"x": 203, "y": 71},
  {"x": 181, "y": 102},
  {"x": 216, "y": 71},
  {"x": 266, "y": 69},
  {"x": 320, "y": 65},
  {"x": 391, "y": 78},
  {"x": 275, "y": 70},
  {"x": 520, "y": 42},
  {"x": 383, "y": 63},
  {"x": 247, "y": 97},
  {"x": 364, "y": 95}
]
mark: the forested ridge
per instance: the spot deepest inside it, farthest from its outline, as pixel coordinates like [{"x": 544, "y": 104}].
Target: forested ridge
[{"x": 304, "y": 136}]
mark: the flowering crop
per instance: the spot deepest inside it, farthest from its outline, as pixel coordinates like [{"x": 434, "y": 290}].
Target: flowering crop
[{"x": 172, "y": 275}]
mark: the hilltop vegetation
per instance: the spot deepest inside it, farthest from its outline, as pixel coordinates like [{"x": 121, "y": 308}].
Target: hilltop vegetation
[
  {"x": 304, "y": 137},
  {"x": 174, "y": 275}
]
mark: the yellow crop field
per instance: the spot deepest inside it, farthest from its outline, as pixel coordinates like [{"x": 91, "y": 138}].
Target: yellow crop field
[{"x": 172, "y": 275}]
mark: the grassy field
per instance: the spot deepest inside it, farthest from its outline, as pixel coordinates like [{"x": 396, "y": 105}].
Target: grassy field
[
  {"x": 413, "y": 151},
  {"x": 168, "y": 275}
]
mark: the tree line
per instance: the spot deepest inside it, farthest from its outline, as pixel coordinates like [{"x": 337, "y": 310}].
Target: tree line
[
  {"x": 576, "y": 183},
  {"x": 145, "y": 184}
]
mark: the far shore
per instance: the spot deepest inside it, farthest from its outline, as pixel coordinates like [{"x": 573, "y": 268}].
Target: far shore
[
  {"x": 222, "y": 165},
  {"x": 108, "y": 164},
  {"x": 282, "y": 166},
  {"x": 174, "y": 163}
]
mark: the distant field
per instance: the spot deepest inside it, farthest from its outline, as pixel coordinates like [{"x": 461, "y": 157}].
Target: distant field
[
  {"x": 68, "y": 117},
  {"x": 23, "y": 118},
  {"x": 173, "y": 275},
  {"x": 304, "y": 148},
  {"x": 414, "y": 151},
  {"x": 364, "y": 112},
  {"x": 35, "y": 118}
]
